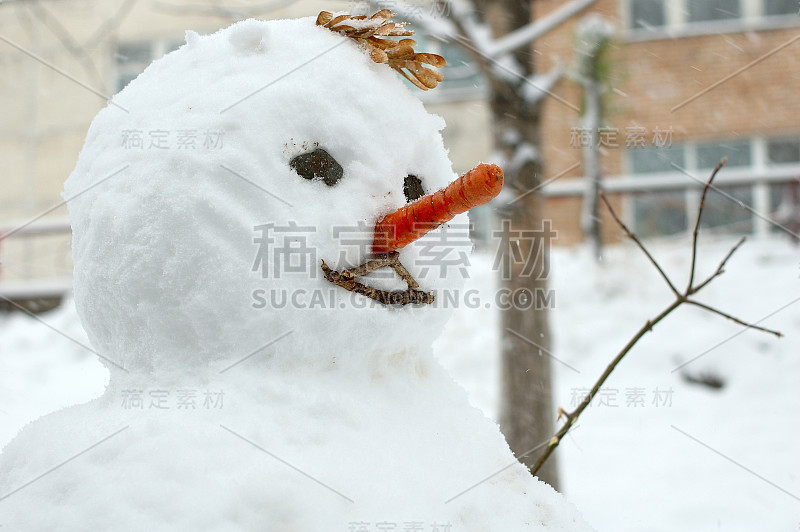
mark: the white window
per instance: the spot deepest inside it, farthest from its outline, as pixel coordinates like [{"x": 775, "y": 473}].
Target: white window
[
  {"x": 757, "y": 192},
  {"x": 131, "y": 58},
  {"x": 781, "y": 7},
  {"x": 648, "y": 13},
  {"x": 724, "y": 203},
  {"x": 784, "y": 198},
  {"x": 706, "y": 10},
  {"x": 660, "y": 212},
  {"x": 649, "y": 19}
]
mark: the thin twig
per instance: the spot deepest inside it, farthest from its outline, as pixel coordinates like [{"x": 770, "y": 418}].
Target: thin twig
[
  {"x": 370, "y": 266},
  {"x": 720, "y": 268},
  {"x": 700, "y": 215},
  {"x": 733, "y": 318},
  {"x": 633, "y": 237},
  {"x": 571, "y": 418},
  {"x": 398, "y": 267},
  {"x": 347, "y": 280}
]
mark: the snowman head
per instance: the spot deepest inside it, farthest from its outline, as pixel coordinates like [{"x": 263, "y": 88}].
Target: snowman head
[{"x": 259, "y": 152}]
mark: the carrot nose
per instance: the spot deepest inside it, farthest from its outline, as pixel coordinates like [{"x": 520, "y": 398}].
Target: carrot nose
[{"x": 410, "y": 222}]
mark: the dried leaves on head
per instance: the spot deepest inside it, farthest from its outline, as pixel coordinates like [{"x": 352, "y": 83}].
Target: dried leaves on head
[{"x": 371, "y": 34}]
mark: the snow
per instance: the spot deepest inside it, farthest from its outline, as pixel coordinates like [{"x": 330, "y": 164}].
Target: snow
[
  {"x": 221, "y": 413},
  {"x": 632, "y": 466},
  {"x": 625, "y": 467},
  {"x": 534, "y": 30},
  {"x": 537, "y": 86}
]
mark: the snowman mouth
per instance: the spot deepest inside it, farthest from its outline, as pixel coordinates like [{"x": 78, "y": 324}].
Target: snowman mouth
[
  {"x": 347, "y": 280},
  {"x": 410, "y": 222}
]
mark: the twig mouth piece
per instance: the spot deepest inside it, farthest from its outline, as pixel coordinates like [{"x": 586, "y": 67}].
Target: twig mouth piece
[{"x": 347, "y": 280}]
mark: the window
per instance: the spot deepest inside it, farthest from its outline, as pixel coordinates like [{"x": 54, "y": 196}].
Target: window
[
  {"x": 723, "y": 204},
  {"x": 783, "y": 152},
  {"x": 709, "y": 154},
  {"x": 132, "y": 58},
  {"x": 658, "y": 212},
  {"x": 654, "y": 159},
  {"x": 784, "y": 198},
  {"x": 762, "y": 193},
  {"x": 705, "y": 10},
  {"x": 647, "y": 13},
  {"x": 660, "y": 18},
  {"x": 781, "y": 7}
]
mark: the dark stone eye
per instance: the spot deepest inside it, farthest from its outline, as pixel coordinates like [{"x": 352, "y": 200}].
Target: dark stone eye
[
  {"x": 412, "y": 188},
  {"x": 319, "y": 165}
]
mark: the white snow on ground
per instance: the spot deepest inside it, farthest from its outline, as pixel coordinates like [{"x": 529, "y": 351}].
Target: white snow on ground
[
  {"x": 44, "y": 367},
  {"x": 658, "y": 453},
  {"x": 631, "y": 464}
]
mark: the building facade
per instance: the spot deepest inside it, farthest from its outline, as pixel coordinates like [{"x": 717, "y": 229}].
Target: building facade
[{"x": 687, "y": 83}]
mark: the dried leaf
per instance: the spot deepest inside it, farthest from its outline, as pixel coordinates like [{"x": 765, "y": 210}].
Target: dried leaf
[
  {"x": 431, "y": 59},
  {"x": 401, "y": 51},
  {"x": 337, "y": 20},
  {"x": 378, "y": 55},
  {"x": 399, "y": 55},
  {"x": 324, "y": 17}
]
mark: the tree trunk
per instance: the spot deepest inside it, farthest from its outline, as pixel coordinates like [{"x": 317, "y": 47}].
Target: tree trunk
[{"x": 527, "y": 414}]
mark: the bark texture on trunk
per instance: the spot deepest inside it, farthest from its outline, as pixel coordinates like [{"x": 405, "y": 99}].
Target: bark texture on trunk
[{"x": 527, "y": 413}]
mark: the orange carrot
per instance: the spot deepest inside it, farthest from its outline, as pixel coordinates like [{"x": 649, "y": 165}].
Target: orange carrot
[{"x": 410, "y": 222}]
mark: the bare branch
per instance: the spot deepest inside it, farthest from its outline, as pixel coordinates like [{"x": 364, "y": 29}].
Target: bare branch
[
  {"x": 571, "y": 418},
  {"x": 110, "y": 25},
  {"x": 732, "y": 318},
  {"x": 465, "y": 23},
  {"x": 468, "y": 43},
  {"x": 72, "y": 46},
  {"x": 221, "y": 11},
  {"x": 524, "y": 35},
  {"x": 537, "y": 86},
  {"x": 720, "y": 269},
  {"x": 639, "y": 244},
  {"x": 700, "y": 215},
  {"x": 439, "y": 28}
]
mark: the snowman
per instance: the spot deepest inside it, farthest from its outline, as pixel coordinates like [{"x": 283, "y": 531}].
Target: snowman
[{"x": 249, "y": 271}]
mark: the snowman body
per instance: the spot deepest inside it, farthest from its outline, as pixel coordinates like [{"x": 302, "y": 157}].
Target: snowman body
[{"x": 247, "y": 392}]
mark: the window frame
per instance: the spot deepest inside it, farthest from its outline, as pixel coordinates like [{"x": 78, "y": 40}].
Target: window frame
[
  {"x": 676, "y": 24},
  {"x": 760, "y": 175},
  {"x": 158, "y": 48}
]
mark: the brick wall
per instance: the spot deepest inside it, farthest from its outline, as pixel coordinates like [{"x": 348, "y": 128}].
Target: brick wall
[{"x": 651, "y": 77}]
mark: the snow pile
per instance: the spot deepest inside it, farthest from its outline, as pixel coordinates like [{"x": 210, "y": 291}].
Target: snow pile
[
  {"x": 227, "y": 408},
  {"x": 627, "y": 451},
  {"x": 44, "y": 368}
]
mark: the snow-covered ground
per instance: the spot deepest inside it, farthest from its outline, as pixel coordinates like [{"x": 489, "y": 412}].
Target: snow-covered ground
[{"x": 655, "y": 452}]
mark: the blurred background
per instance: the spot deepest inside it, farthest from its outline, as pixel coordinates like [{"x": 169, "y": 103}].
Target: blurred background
[{"x": 62, "y": 59}]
